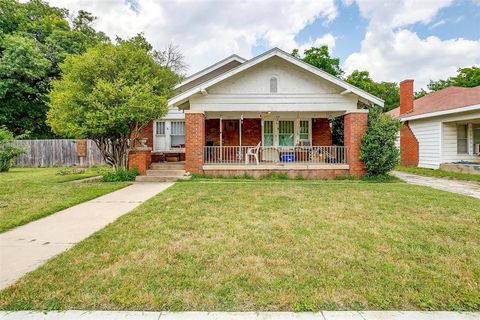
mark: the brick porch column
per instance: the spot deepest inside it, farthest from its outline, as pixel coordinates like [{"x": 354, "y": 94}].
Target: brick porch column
[
  {"x": 194, "y": 141},
  {"x": 140, "y": 157},
  {"x": 355, "y": 124}
]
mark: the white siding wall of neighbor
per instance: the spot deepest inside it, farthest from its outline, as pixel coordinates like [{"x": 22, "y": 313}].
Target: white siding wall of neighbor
[
  {"x": 298, "y": 90},
  {"x": 437, "y": 139},
  {"x": 428, "y": 134}
]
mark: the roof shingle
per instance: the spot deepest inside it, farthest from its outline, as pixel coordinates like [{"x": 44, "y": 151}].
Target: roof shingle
[{"x": 445, "y": 99}]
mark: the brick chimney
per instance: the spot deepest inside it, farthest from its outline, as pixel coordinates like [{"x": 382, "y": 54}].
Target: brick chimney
[{"x": 406, "y": 96}]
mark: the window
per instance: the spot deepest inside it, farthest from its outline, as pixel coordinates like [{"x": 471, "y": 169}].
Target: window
[
  {"x": 462, "y": 139},
  {"x": 304, "y": 131},
  {"x": 169, "y": 135},
  {"x": 476, "y": 134},
  {"x": 160, "y": 128},
  {"x": 273, "y": 85},
  {"x": 286, "y": 133},
  {"x": 268, "y": 133},
  {"x": 177, "y": 134}
]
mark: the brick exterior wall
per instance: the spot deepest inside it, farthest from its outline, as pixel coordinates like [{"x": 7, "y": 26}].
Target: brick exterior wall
[
  {"x": 140, "y": 158},
  {"x": 321, "y": 132},
  {"x": 251, "y": 132},
  {"x": 409, "y": 149},
  {"x": 194, "y": 142},
  {"x": 355, "y": 125},
  {"x": 146, "y": 132},
  {"x": 306, "y": 174}
]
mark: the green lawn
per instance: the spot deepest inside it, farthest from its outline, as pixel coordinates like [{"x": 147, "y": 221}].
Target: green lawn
[
  {"x": 272, "y": 245},
  {"x": 27, "y": 194},
  {"x": 440, "y": 173}
]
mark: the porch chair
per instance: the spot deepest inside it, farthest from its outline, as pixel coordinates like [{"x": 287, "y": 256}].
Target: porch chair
[{"x": 253, "y": 152}]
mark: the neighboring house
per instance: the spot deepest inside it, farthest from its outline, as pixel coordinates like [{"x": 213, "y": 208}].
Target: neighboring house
[
  {"x": 441, "y": 127},
  {"x": 272, "y": 113}
]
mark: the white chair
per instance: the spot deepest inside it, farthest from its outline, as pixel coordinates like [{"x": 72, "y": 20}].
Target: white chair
[{"x": 252, "y": 152}]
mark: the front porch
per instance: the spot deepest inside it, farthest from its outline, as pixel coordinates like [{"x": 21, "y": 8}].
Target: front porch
[{"x": 297, "y": 144}]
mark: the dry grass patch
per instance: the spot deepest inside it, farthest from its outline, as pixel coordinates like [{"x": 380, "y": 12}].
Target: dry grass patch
[{"x": 259, "y": 245}]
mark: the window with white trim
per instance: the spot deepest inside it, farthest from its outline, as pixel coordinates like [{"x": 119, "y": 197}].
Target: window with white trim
[
  {"x": 169, "y": 135},
  {"x": 268, "y": 133},
  {"x": 462, "y": 139},
  {"x": 273, "y": 85},
  {"x": 304, "y": 134},
  {"x": 177, "y": 134},
  {"x": 286, "y": 133}
]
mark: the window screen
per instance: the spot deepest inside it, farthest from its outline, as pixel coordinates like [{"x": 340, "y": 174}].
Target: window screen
[
  {"x": 268, "y": 133},
  {"x": 462, "y": 138},
  {"x": 304, "y": 130},
  {"x": 286, "y": 133},
  {"x": 160, "y": 128},
  {"x": 273, "y": 85}
]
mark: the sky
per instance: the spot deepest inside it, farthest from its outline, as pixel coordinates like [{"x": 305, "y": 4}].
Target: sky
[{"x": 392, "y": 39}]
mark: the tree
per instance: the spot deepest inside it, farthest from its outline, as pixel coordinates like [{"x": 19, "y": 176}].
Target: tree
[
  {"x": 34, "y": 39},
  {"x": 320, "y": 58},
  {"x": 108, "y": 94},
  {"x": 8, "y": 150},
  {"x": 378, "y": 151},
  {"x": 466, "y": 77},
  {"x": 387, "y": 91},
  {"x": 171, "y": 57}
]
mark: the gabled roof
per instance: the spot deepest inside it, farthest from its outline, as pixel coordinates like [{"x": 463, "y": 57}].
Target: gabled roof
[
  {"x": 449, "y": 99},
  {"x": 276, "y": 52},
  {"x": 209, "y": 69}
]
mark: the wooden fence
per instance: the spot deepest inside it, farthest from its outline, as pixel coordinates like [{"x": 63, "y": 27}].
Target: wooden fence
[{"x": 58, "y": 152}]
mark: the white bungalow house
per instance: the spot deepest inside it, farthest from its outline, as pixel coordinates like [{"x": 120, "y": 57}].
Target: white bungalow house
[
  {"x": 441, "y": 128},
  {"x": 271, "y": 113}
]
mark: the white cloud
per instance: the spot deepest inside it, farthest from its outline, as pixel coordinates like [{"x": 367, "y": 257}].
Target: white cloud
[
  {"x": 209, "y": 31},
  {"x": 327, "y": 39},
  {"x": 391, "y": 52},
  {"x": 438, "y": 24}
]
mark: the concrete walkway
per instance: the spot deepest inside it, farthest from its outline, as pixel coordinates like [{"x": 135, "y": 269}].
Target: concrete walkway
[
  {"x": 25, "y": 248},
  {"x": 468, "y": 188},
  {"x": 324, "y": 315}
]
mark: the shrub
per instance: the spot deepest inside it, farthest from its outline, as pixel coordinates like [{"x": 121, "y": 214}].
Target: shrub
[
  {"x": 120, "y": 175},
  {"x": 8, "y": 150},
  {"x": 378, "y": 151}
]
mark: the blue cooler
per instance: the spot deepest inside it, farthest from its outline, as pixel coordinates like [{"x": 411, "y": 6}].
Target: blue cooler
[{"x": 288, "y": 157}]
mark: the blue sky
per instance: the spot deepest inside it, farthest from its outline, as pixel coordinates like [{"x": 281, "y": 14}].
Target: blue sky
[{"x": 392, "y": 39}]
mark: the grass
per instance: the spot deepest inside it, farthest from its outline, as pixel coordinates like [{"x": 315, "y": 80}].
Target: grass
[
  {"x": 27, "y": 194},
  {"x": 272, "y": 245},
  {"x": 440, "y": 173}
]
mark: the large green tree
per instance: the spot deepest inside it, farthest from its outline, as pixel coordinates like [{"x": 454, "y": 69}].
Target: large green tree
[
  {"x": 320, "y": 58},
  {"x": 109, "y": 93},
  {"x": 465, "y": 77},
  {"x": 387, "y": 91},
  {"x": 34, "y": 39}
]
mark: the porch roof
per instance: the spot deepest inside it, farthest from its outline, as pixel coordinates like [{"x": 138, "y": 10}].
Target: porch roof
[{"x": 275, "y": 52}]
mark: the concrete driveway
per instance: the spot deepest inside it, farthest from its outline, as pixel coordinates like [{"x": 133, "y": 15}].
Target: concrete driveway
[
  {"x": 25, "y": 248},
  {"x": 468, "y": 188}
]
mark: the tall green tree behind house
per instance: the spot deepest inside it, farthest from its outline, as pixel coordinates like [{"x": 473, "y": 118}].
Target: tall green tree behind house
[
  {"x": 466, "y": 77},
  {"x": 387, "y": 91},
  {"x": 320, "y": 57},
  {"x": 109, "y": 93},
  {"x": 34, "y": 39}
]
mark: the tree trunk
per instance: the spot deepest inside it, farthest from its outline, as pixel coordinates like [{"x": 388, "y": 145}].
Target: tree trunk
[{"x": 114, "y": 151}]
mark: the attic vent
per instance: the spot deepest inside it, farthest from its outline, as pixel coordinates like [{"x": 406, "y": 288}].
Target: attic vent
[{"x": 273, "y": 85}]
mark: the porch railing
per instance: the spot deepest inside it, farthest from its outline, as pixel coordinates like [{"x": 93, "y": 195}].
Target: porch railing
[{"x": 275, "y": 155}]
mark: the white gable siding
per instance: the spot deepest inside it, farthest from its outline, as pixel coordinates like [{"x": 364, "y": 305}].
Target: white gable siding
[
  {"x": 428, "y": 134},
  {"x": 298, "y": 90}
]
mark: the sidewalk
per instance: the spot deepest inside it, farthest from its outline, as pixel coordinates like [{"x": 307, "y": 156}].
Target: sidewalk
[
  {"x": 323, "y": 315},
  {"x": 467, "y": 188},
  {"x": 25, "y": 248}
]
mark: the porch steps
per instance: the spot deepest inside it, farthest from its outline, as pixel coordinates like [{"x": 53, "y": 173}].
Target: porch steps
[{"x": 164, "y": 172}]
